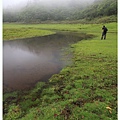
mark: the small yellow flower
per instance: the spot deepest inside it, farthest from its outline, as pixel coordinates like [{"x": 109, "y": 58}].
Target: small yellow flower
[{"x": 110, "y": 109}]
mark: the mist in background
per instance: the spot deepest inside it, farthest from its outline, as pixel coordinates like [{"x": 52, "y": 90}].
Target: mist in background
[
  {"x": 17, "y": 3},
  {"x": 36, "y": 11}
]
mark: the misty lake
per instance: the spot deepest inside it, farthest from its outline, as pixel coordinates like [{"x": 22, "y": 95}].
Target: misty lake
[{"x": 28, "y": 61}]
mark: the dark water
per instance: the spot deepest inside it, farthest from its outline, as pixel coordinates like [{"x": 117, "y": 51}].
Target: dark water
[{"x": 28, "y": 61}]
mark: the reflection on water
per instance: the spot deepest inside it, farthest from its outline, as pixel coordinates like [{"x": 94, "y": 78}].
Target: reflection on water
[{"x": 31, "y": 60}]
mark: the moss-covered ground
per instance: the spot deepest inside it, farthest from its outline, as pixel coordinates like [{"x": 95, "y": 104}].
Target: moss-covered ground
[{"x": 85, "y": 90}]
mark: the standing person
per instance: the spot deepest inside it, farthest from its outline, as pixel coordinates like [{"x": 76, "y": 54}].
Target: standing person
[{"x": 104, "y": 32}]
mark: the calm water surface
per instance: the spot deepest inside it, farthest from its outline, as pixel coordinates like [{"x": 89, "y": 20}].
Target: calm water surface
[{"x": 27, "y": 61}]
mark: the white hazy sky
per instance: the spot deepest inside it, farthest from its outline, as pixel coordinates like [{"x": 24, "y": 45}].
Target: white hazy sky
[{"x": 9, "y": 3}]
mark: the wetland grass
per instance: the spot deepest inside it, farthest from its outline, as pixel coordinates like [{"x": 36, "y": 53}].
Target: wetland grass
[{"x": 86, "y": 90}]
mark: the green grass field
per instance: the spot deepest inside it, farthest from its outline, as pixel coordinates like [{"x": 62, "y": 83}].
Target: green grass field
[
  {"x": 85, "y": 90},
  {"x": 16, "y": 31}
]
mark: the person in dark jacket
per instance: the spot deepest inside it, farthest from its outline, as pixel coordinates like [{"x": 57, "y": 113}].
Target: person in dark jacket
[{"x": 104, "y": 32}]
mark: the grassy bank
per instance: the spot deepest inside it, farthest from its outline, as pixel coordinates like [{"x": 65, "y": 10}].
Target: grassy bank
[
  {"x": 18, "y": 31},
  {"x": 86, "y": 90}
]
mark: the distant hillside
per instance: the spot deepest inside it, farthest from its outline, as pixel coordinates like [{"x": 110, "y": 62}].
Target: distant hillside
[
  {"x": 73, "y": 11},
  {"x": 99, "y": 8}
]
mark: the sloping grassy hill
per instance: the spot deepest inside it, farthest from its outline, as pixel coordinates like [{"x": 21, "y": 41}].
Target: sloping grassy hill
[{"x": 86, "y": 90}]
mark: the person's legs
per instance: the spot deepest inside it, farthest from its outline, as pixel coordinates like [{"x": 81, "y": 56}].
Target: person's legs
[{"x": 104, "y": 36}]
